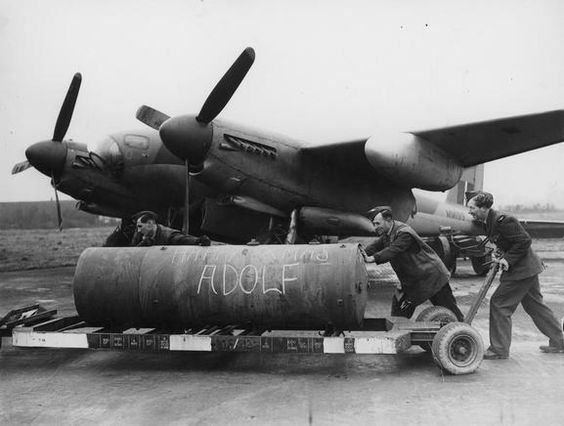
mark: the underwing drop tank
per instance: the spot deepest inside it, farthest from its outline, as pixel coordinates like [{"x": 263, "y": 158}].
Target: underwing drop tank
[{"x": 273, "y": 287}]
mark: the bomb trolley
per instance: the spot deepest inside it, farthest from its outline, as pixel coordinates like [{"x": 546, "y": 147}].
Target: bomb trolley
[{"x": 457, "y": 347}]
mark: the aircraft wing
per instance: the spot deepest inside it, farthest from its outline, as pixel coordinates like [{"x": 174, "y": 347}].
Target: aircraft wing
[
  {"x": 476, "y": 143},
  {"x": 348, "y": 155},
  {"x": 470, "y": 144},
  {"x": 543, "y": 228}
]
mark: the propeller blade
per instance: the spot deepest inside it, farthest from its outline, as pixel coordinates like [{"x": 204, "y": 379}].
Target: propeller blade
[
  {"x": 186, "y": 226},
  {"x": 20, "y": 167},
  {"x": 225, "y": 88},
  {"x": 67, "y": 109},
  {"x": 151, "y": 117},
  {"x": 58, "y": 203}
]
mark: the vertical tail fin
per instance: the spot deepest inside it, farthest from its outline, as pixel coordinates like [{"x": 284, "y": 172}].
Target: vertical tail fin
[{"x": 471, "y": 180}]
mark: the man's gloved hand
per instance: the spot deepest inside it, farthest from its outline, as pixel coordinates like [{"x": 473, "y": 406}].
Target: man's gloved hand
[
  {"x": 367, "y": 259},
  {"x": 204, "y": 241},
  {"x": 146, "y": 242},
  {"x": 497, "y": 254},
  {"x": 503, "y": 264}
]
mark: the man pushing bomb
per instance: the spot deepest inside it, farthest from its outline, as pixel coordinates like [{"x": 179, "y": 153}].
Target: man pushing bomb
[
  {"x": 519, "y": 281},
  {"x": 421, "y": 272}
]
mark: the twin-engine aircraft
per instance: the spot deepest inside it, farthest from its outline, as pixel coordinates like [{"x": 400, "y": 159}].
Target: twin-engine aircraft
[{"x": 242, "y": 183}]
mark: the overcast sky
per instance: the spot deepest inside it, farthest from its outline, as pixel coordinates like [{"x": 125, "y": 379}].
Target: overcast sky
[{"x": 324, "y": 71}]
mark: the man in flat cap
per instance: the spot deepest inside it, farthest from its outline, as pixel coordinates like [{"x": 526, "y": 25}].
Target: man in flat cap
[
  {"x": 519, "y": 281},
  {"x": 150, "y": 233},
  {"x": 421, "y": 272}
]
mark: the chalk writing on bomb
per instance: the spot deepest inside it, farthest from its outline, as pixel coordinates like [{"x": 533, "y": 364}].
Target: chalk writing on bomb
[{"x": 226, "y": 278}]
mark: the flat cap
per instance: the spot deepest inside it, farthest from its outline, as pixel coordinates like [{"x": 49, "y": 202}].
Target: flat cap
[
  {"x": 146, "y": 215},
  {"x": 385, "y": 210}
]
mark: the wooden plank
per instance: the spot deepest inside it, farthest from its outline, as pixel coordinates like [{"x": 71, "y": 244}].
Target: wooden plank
[
  {"x": 333, "y": 345},
  {"x": 83, "y": 330},
  {"x": 36, "y": 317},
  {"x": 391, "y": 342},
  {"x": 48, "y": 339},
  {"x": 55, "y": 324},
  {"x": 190, "y": 342},
  {"x": 138, "y": 330},
  {"x": 10, "y": 316}
]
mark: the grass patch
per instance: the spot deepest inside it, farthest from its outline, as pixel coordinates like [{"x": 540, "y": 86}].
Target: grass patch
[{"x": 46, "y": 248}]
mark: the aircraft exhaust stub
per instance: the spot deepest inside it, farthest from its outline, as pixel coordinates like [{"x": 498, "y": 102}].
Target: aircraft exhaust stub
[{"x": 274, "y": 286}]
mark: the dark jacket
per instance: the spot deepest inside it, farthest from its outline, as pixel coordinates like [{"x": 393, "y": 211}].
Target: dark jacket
[
  {"x": 420, "y": 270},
  {"x": 166, "y": 237},
  {"x": 514, "y": 242}
]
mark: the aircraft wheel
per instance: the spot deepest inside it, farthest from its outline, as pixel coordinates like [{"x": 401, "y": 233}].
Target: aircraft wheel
[
  {"x": 478, "y": 264},
  {"x": 435, "y": 313},
  {"x": 458, "y": 348}
]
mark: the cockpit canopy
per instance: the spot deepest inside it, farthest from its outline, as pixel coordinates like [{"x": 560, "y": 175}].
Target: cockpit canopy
[
  {"x": 108, "y": 153},
  {"x": 115, "y": 150}
]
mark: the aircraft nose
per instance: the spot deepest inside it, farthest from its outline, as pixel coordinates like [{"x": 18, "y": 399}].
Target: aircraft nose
[
  {"x": 48, "y": 157},
  {"x": 187, "y": 138}
]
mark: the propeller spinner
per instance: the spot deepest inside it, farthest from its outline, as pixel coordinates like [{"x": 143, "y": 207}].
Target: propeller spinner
[{"x": 49, "y": 156}]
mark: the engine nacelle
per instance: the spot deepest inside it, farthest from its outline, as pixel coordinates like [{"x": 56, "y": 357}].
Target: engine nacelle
[
  {"x": 332, "y": 222},
  {"x": 411, "y": 161}
]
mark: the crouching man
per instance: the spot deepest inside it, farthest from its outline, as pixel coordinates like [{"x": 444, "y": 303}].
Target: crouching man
[
  {"x": 150, "y": 233},
  {"x": 422, "y": 274}
]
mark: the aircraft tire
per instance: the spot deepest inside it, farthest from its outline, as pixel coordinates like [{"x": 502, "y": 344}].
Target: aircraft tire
[
  {"x": 458, "y": 348},
  {"x": 435, "y": 313},
  {"x": 478, "y": 264}
]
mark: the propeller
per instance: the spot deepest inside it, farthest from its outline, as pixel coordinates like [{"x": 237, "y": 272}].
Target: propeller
[
  {"x": 65, "y": 114},
  {"x": 189, "y": 137},
  {"x": 49, "y": 156},
  {"x": 58, "y": 203},
  {"x": 151, "y": 117},
  {"x": 20, "y": 167},
  {"x": 186, "y": 225},
  {"x": 226, "y": 87}
]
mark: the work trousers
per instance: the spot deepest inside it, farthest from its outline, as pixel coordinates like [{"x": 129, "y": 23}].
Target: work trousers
[
  {"x": 443, "y": 297},
  {"x": 503, "y": 303}
]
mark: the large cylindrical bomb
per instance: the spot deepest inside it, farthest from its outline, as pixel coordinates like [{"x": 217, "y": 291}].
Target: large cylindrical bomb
[{"x": 270, "y": 286}]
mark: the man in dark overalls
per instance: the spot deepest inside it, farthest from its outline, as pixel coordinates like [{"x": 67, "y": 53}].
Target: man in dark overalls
[
  {"x": 519, "y": 281},
  {"x": 421, "y": 272},
  {"x": 150, "y": 233}
]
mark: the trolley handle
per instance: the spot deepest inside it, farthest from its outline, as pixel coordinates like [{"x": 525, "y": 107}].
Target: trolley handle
[{"x": 494, "y": 267}]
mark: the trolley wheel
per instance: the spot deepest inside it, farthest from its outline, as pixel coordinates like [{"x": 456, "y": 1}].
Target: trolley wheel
[
  {"x": 435, "y": 313},
  {"x": 458, "y": 348},
  {"x": 478, "y": 264}
]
